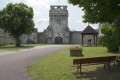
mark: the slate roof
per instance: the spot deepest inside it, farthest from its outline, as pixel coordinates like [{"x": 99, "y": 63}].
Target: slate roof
[{"x": 89, "y": 30}]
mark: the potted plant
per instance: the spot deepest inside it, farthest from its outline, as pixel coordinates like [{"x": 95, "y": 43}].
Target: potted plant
[{"x": 76, "y": 51}]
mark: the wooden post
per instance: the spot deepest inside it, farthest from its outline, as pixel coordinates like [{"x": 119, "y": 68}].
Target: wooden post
[
  {"x": 80, "y": 69},
  {"x": 94, "y": 39},
  {"x": 82, "y": 39}
]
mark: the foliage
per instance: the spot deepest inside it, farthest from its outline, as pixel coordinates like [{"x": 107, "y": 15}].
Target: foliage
[
  {"x": 109, "y": 40},
  {"x": 103, "y": 11},
  {"x": 117, "y": 30},
  {"x": 17, "y": 19},
  {"x": 98, "y": 11}
]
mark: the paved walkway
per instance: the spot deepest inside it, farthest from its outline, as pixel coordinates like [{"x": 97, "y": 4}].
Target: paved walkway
[{"x": 12, "y": 64}]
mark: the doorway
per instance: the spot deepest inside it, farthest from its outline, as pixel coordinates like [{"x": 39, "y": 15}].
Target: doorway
[{"x": 58, "y": 40}]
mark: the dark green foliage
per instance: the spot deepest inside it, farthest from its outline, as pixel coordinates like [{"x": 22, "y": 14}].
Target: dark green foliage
[
  {"x": 109, "y": 40},
  {"x": 98, "y": 10},
  {"x": 103, "y": 11},
  {"x": 17, "y": 19}
]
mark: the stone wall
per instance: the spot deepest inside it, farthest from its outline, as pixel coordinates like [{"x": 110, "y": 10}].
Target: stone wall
[
  {"x": 30, "y": 38},
  {"x": 5, "y": 38},
  {"x": 42, "y": 38},
  {"x": 87, "y": 38},
  {"x": 75, "y": 37}
]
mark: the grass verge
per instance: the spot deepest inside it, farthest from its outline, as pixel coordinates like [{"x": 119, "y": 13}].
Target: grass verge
[
  {"x": 12, "y": 47},
  {"x": 57, "y": 66}
]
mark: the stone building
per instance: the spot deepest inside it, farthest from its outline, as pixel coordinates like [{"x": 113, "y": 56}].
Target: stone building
[{"x": 58, "y": 31}]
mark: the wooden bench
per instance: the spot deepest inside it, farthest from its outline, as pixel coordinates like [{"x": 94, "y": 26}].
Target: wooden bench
[{"x": 106, "y": 60}]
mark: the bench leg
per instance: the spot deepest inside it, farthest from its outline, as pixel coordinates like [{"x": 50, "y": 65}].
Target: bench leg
[
  {"x": 80, "y": 69},
  {"x": 77, "y": 68},
  {"x": 104, "y": 66}
]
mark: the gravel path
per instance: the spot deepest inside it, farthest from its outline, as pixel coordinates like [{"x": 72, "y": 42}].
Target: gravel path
[{"x": 12, "y": 64}]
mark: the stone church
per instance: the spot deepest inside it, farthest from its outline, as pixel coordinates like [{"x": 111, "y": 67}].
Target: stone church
[{"x": 58, "y": 31}]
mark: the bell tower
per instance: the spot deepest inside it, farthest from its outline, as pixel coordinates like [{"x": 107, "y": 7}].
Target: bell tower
[{"x": 58, "y": 22}]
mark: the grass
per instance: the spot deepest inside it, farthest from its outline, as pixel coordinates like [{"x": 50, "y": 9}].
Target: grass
[
  {"x": 11, "y": 47},
  {"x": 57, "y": 66}
]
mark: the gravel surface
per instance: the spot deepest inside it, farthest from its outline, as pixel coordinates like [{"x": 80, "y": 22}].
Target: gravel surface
[{"x": 12, "y": 64}]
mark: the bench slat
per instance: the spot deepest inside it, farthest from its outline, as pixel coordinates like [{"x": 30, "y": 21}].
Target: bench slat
[{"x": 92, "y": 61}]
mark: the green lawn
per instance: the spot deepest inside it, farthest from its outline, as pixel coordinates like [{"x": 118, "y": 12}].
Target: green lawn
[
  {"x": 9, "y": 47},
  {"x": 57, "y": 66}
]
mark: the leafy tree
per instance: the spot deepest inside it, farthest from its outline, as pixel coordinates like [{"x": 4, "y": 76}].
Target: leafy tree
[
  {"x": 99, "y": 11},
  {"x": 108, "y": 40},
  {"x": 17, "y": 19},
  {"x": 103, "y": 11}
]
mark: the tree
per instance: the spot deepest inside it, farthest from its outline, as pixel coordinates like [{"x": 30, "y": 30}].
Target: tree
[
  {"x": 17, "y": 19},
  {"x": 103, "y": 11},
  {"x": 109, "y": 40},
  {"x": 99, "y": 11}
]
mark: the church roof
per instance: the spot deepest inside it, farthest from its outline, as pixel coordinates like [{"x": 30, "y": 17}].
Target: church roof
[{"x": 89, "y": 30}]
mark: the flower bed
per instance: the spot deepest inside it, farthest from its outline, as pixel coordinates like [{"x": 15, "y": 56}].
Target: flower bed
[{"x": 76, "y": 51}]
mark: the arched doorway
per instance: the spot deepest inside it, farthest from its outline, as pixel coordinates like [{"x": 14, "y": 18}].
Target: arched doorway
[{"x": 58, "y": 40}]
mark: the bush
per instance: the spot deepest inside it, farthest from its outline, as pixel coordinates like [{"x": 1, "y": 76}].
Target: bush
[{"x": 109, "y": 40}]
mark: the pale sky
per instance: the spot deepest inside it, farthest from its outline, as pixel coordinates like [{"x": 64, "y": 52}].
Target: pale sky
[{"x": 41, "y": 13}]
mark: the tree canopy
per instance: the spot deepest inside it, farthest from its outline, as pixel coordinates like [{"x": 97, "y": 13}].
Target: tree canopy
[
  {"x": 103, "y": 11},
  {"x": 99, "y": 11},
  {"x": 17, "y": 19}
]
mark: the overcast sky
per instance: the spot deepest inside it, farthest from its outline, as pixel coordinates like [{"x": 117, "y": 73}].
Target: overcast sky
[{"x": 41, "y": 13}]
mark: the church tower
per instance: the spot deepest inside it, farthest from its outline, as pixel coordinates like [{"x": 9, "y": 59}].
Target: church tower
[{"x": 58, "y": 31}]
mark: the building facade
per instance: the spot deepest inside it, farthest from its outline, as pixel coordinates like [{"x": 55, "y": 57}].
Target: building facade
[{"x": 58, "y": 31}]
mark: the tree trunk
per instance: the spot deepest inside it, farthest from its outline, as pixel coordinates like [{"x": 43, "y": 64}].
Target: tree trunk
[{"x": 18, "y": 41}]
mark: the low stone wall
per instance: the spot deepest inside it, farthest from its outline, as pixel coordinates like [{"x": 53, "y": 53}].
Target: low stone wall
[{"x": 6, "y": 40}]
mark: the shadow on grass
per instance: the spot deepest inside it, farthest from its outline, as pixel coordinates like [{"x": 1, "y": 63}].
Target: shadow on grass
[{"x": 100, "y": 74}]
